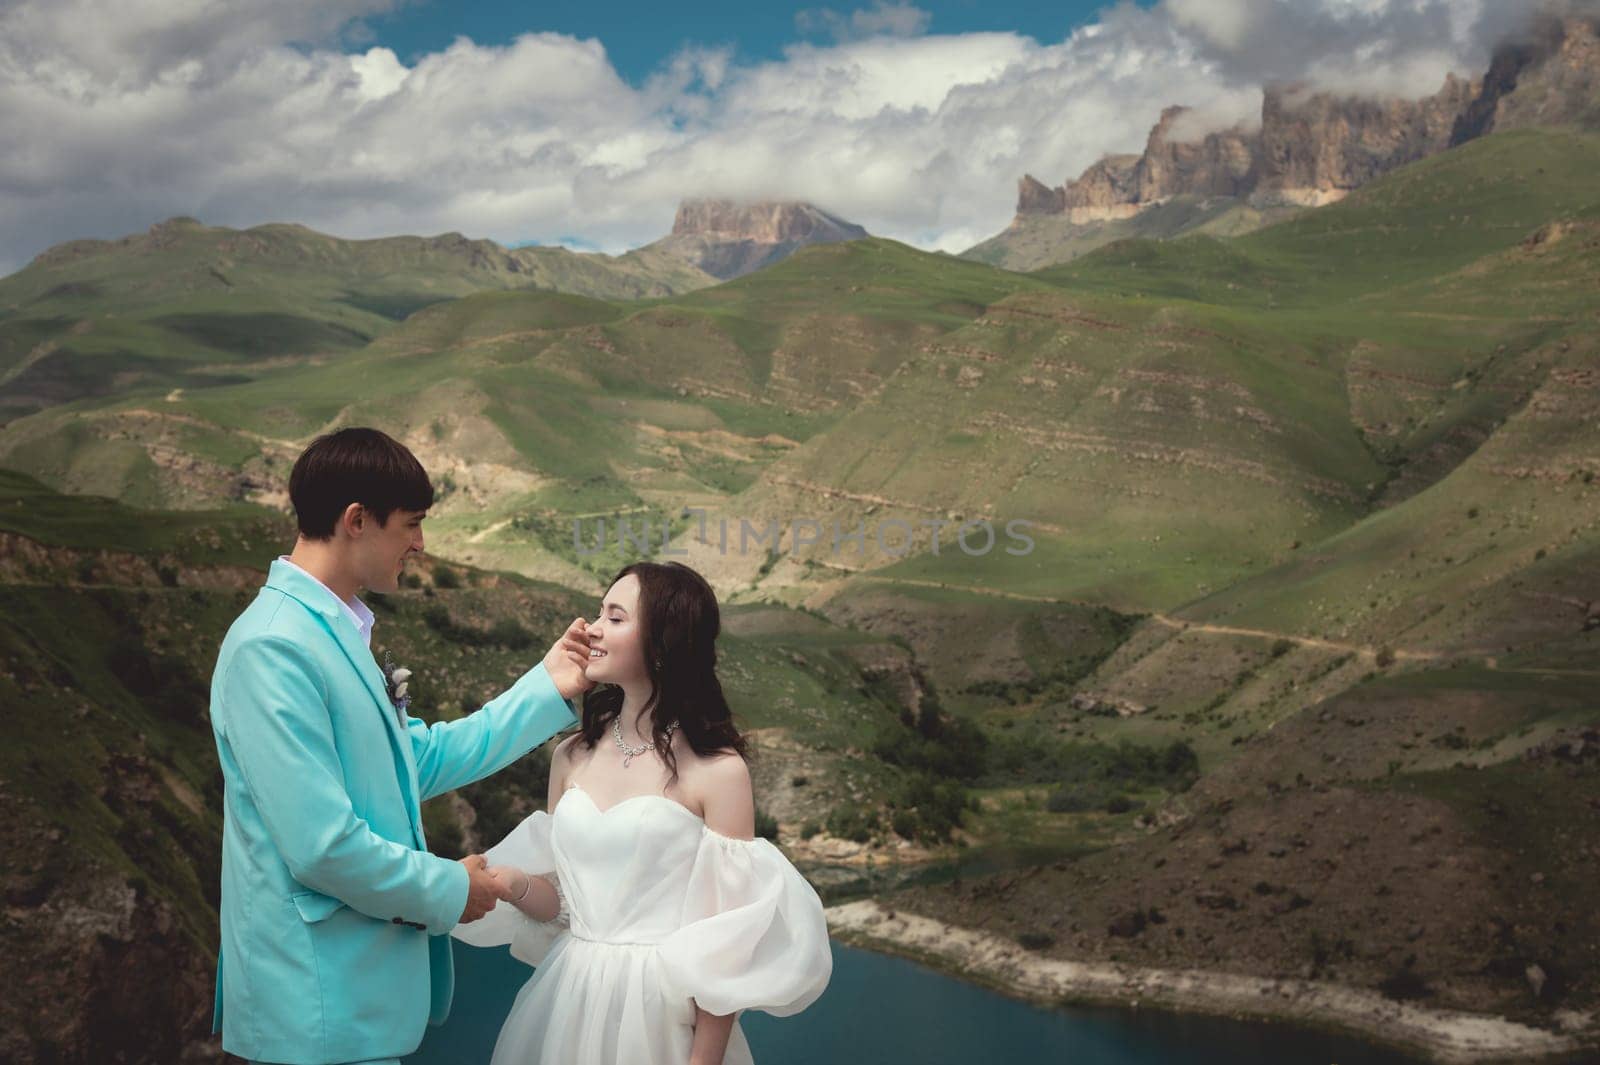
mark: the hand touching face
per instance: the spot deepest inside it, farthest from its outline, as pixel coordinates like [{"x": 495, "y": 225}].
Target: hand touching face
[{"x": 567, "y": 660}]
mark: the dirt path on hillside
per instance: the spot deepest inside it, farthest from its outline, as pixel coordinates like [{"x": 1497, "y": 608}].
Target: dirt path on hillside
[
  {"x": 1182, "y": 625},
  {"x": 1304, "y": 641}
]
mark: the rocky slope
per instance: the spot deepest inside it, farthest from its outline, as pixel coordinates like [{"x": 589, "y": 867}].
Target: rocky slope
[
  {"x": 1309, "y": 148},
  {"x": 728, "y": 239},
  {"x": 1458, "y": 888}
]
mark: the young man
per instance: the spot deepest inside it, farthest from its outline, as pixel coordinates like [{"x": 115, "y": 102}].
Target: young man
[{"x": 335, "y": 918}]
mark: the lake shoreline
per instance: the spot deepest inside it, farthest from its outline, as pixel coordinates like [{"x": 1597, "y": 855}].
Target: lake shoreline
[{"x": 1449, "y": 1037}]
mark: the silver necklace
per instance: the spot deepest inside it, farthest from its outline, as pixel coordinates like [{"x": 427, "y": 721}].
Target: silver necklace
[{"x": 629, "y": 752}]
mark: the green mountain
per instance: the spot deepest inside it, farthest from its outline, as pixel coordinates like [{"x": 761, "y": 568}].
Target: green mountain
[
  {"x": 187, "y": 305},
  {"x": 1034, "y": 241},
  {"x": 1291, "y": 372}
]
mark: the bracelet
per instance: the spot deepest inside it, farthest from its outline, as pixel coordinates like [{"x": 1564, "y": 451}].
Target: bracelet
[{"x": 525, "y": 889}]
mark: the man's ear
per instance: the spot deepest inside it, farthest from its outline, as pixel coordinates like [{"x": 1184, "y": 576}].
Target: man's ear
[{"x": 354, "y": 519}]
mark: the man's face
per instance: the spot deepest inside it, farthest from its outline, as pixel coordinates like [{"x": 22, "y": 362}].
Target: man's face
[{"x": 384, "y": 548}]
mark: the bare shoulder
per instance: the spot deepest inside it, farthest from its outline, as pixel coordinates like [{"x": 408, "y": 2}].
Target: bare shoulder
[
  {"x": 566, "y": 752},
  {"x": 720, "y": 784},
  {"x": 718, "y": 769},
  {"x": 562, "y": 758},
  {"x": 726, "y": 769}
]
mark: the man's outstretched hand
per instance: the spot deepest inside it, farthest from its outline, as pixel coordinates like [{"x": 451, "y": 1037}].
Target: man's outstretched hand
[
  {"x": 568, "y": 658},
  {"x": 483, "y": 889}
]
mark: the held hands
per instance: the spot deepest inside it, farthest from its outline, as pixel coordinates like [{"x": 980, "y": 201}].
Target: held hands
[
  {"x": 568, "y": 658},
  {"x": 513, "y": 882},
  {"x": 483, "y": 889}
]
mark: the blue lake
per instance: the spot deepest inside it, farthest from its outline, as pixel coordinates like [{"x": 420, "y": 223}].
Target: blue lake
[{"x": 880, "y": 1010}]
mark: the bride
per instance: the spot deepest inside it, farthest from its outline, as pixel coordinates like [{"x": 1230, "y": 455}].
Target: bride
[{"x": 652, "y": 914}]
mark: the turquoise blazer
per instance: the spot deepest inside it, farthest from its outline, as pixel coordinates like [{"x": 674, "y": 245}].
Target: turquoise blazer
[{"x": 335, "y": 918}]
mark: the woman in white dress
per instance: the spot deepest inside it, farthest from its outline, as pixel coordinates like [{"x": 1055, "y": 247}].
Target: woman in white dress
[{"x": 652, "y": 913}]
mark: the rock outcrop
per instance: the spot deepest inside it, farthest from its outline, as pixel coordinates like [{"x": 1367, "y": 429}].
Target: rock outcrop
[
  {"x": 727, "y": 239},
  {"x": 1550, "y": 79},
  {"x": 1313, "y": 148}
]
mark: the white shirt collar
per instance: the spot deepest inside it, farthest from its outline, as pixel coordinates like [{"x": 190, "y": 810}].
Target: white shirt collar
[{"x": 358, "y": 612}]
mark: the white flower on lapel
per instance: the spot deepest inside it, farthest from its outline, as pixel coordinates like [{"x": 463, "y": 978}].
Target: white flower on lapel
[{"x": 395, "y": 682}]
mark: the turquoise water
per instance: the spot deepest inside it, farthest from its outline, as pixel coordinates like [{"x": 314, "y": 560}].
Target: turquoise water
[{"x": 880, "y": 1010}]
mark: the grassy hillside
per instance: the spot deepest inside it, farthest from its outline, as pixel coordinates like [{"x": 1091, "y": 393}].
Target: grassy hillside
[
  {"x": 1286, "y": 385},
  {"x": 1415, "y": 223},
  {"x": 1036, "y": 241},
  {"x": 1395, "y": 718},
  {"x": 1104, "y": 403},
  {"x": 188, "y": 305}
]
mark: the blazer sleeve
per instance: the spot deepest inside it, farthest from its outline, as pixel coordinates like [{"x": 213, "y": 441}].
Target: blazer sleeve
[
  {"x": 280, "y": 735},
  {"x": 453, "y": 753}
]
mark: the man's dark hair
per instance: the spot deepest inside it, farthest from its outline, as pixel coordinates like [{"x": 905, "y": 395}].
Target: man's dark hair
[{"x": 355, "y": 465}]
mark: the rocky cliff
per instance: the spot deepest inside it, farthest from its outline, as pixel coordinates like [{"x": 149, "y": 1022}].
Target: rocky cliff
[
  {"x": 1550, "y": 79},
  {"x": 1312, "y": 148},
  {"x": 727, "y": 239}
]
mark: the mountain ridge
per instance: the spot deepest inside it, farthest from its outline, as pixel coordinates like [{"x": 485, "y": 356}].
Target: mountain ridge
[{"x": 1307, "y": 149}]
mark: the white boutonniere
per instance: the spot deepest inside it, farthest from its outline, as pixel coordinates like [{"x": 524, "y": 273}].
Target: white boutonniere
[{"x": 395, "y": 681}]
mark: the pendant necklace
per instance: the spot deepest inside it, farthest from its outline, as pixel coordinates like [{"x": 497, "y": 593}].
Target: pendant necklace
[{"x": 629, "y": 752}]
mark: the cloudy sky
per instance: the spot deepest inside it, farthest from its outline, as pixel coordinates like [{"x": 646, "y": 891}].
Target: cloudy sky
[{"x": 585, "y": 123}]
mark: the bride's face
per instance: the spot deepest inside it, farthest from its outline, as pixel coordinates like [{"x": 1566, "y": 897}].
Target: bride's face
[{"x": 616, "y": 641}]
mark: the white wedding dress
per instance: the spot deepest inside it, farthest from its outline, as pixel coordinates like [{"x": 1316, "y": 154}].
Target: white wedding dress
[{"x": 664, "y": 913}]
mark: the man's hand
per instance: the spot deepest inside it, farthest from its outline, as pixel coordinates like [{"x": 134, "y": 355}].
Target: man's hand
[
  {"x": 483, "y": 890},
  {"x": 567, "y": 660}
]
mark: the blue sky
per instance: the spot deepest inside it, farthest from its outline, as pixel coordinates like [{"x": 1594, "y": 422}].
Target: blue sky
[{"x": 640, "y": 36}]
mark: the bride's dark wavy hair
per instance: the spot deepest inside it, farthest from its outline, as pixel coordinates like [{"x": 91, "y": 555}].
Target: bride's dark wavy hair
[{"x": 679, "y": 623}]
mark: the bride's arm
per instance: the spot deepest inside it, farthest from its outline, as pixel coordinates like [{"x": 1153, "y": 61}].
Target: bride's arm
[
  {"x": 536, "y": 896},
  {"x": 730, "y": 808}
]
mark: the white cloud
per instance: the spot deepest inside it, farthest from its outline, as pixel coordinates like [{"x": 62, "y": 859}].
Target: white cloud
[
  {"x": 1386, "y": 47},
  {"x": 379, "y": 71},
  {"x": 1225, "y": 24},
  {"x": 881, "y": 19},
  {"x": 115, "y": 115}
]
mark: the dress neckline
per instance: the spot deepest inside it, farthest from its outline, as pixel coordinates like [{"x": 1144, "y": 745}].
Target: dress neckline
[
  {"x": 696, "y": 818},
  {"x": 573, "y": 785}
]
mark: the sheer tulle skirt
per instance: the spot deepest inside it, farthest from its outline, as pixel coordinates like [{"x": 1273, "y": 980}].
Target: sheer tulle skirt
[{"x": 593, "y": 1003}]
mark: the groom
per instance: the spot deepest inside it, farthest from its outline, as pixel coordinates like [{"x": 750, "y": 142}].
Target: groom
[{"x": 335, "y": 918}]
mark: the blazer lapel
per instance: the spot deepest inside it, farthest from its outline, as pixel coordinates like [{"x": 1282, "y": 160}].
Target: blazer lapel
[
  {"x": 360, "y": 656},
  {"x": 293, "y": 581}
]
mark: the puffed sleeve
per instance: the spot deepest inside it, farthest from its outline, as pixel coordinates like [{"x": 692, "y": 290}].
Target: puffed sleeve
[
  {"x": 526, "y": 847},
  {"x": 753, "y": 934}
]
